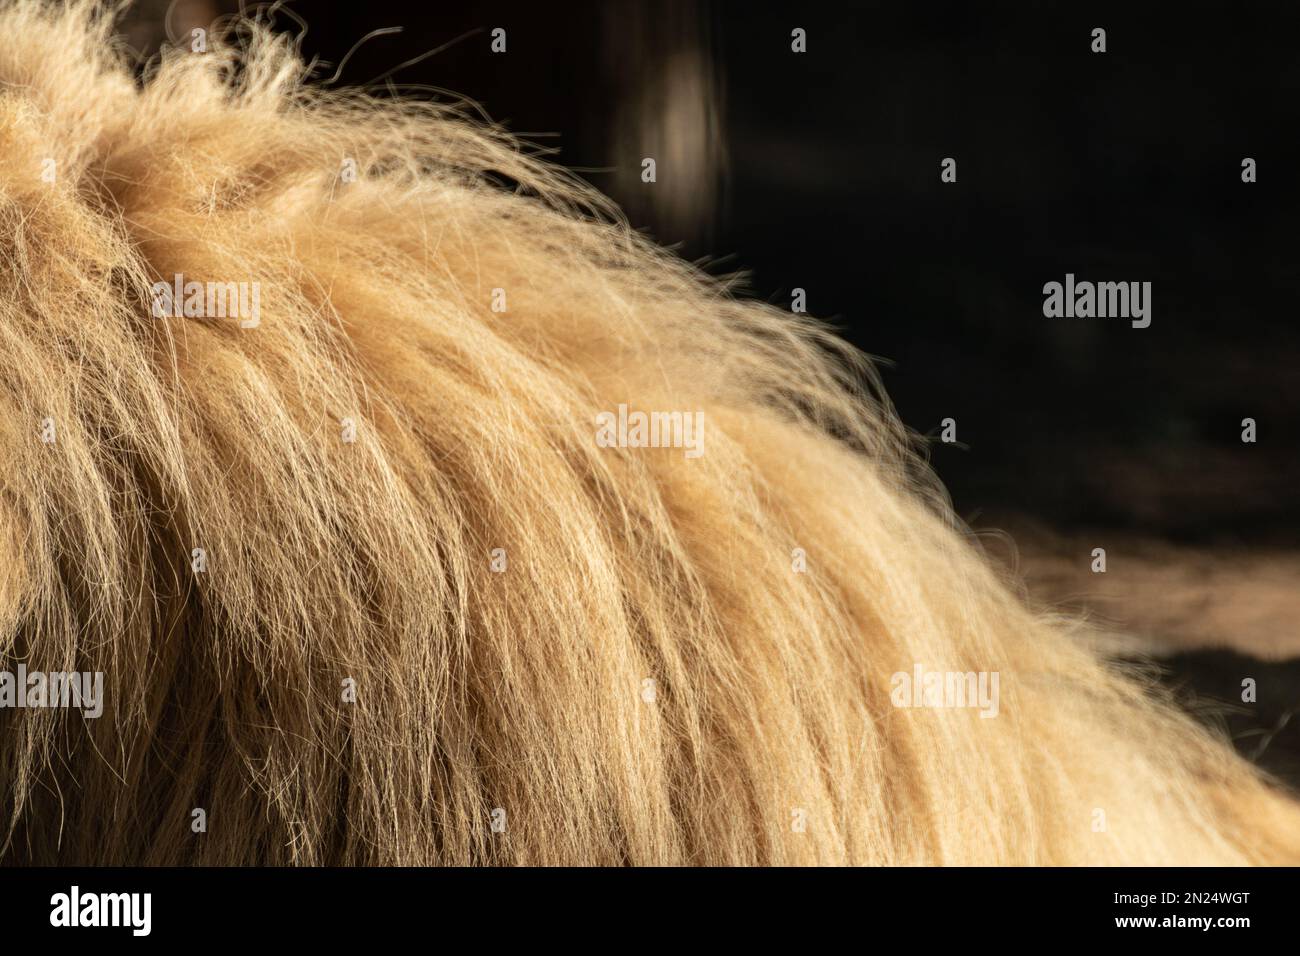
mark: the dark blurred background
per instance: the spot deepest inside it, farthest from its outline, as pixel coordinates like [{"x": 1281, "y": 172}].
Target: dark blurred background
[{"x": 820, "y": 170}]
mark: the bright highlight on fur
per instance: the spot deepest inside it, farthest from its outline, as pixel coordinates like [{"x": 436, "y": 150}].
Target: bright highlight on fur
[{"x": 364, "y": 586}]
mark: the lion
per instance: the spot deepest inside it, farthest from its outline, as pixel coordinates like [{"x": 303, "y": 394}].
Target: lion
[{"x": 364, "y": 587}]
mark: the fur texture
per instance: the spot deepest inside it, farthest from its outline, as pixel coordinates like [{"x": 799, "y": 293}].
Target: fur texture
[{"x": 371, "y": 560}]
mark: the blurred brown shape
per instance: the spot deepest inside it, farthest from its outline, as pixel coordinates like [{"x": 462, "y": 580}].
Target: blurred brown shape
[
  {"x": 662, "y": 77},
  {"x": 1166, "y": 598},
  {"x": 145, "y": 24}
]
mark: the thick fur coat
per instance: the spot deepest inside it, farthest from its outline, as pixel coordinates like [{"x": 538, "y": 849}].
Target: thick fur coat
[{"x": 365, "y": 588}]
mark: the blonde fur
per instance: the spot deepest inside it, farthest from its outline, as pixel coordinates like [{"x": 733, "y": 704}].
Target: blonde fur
[{"x": 328, "y": 560}]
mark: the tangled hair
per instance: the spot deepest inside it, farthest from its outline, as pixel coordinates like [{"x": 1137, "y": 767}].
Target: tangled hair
[{"x": 494, "y": 585}]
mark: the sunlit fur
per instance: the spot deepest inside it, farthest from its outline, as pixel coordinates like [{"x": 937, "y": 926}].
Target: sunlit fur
[{"x": 476, "y": 689}]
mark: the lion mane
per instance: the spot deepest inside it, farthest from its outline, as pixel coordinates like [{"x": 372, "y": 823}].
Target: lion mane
[{"x": 362, "y": 584}]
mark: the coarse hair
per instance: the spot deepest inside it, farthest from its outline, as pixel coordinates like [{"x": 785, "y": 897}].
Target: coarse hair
[{"x": 365, "y": 588}]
